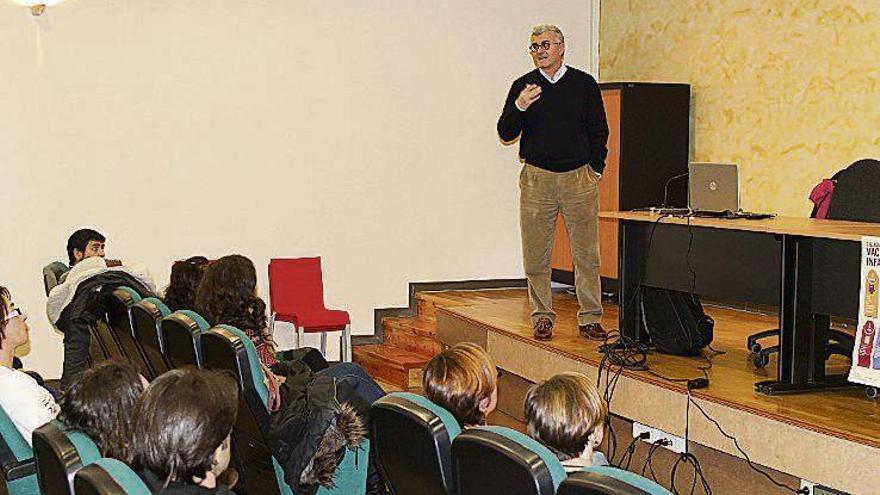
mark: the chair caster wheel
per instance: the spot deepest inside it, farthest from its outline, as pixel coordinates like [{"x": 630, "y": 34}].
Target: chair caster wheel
[
  {"x": 759, "y": 359},
  {"x": 755, "y": 348},
  {"x": 871, "y": 392}
]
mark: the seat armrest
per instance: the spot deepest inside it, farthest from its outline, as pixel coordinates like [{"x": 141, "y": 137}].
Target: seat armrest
[{"x": 14, "y": 470}]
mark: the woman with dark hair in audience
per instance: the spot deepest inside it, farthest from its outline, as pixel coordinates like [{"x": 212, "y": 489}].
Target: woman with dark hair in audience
[
  {"x": 181, "y": 432},
  {"x": 27, "y": 404},
  {"x": 185, "y": 278},
  {"x": 100, "y": 404},
  {"x": 228, "y": 295}
]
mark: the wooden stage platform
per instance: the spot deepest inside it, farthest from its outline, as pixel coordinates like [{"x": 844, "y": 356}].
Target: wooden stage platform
[{"x": 828, "y": 437}]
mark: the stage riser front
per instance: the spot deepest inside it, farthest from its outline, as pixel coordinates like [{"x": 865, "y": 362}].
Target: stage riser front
[{"x": 800, "y": 451}]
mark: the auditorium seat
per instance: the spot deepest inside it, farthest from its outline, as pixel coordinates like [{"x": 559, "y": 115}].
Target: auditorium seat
[
  {"x": 108, "y": 477},
  {"x": 226, "y": 347},
  {"x": 145, "y": 316},
  {"x": 493, "y": 460},
  {"x": 182, "y": 332},
  {"x": 59, "y": 454},
  {"x": 412, "y": 438},
  {"x": 16, "y": 460},
  {"x": 607, "y": 480},
  {"x": 118, "y": 305}
]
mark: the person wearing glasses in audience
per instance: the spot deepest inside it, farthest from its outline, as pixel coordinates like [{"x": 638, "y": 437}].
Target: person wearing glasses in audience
[
  {"x": 556, "y": 111},
  {"x": 27, "y": 404},
  {"x": 464, "y": 381}
]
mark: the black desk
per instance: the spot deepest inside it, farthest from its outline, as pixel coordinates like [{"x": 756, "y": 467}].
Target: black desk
[{"x": 809, "y": 268}]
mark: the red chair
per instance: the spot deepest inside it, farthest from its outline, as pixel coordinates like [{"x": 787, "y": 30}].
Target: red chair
[{"x": 296, "y": 292}]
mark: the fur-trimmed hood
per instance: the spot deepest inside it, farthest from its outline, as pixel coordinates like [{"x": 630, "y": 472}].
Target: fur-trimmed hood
[{"x": 312, "y": 430}]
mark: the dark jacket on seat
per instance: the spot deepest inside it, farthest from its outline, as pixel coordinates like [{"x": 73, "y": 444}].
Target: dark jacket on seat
[{"x": 310, "y": 432}]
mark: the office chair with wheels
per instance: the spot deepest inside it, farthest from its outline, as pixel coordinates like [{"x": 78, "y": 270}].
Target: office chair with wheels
[{"x": 851, "y": 200}]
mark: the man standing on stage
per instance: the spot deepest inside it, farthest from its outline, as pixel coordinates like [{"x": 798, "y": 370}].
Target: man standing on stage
[{"x": 558, "y": 114}]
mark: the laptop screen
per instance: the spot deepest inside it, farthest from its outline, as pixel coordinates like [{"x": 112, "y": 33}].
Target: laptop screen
[{"x": 713, "y": 187}]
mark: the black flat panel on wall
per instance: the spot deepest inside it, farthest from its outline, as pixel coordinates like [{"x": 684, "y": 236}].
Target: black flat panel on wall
[{"x": 654, "y": 137}]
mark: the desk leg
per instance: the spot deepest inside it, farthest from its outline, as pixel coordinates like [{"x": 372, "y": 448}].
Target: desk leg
[
  {"x": 802, "y": 334},
  {"x": 631, "y": 260}
]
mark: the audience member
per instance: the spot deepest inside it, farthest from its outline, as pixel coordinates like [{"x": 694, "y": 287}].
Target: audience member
[
  {"x": 567, "y": 415},
  {"x": 299, "y": 389},
  {"x": 100, "y": 404},
  {"x": 27, "y": 404},
  {"x": 181, "y": 432},
  {"x": 185, "y": 278},
  {"x": 463, "y": 380},
  {"x": 84, "y": 244},
  {"x": 228, "y": 295},
  {"x": 75, "y": 304}
]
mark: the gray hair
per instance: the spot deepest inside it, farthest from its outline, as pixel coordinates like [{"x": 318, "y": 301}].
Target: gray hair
[{"x": 543, "y": 28}]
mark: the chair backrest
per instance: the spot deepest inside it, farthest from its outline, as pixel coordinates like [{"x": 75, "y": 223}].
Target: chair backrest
[
  {"x": 493, "y": 460},
  {"x": 16, "y": 452},
  {"x": 295, "y": 285},
  {"x": 226, "y": 347},
  {"x": 854, "y": 197},
  {"x": 118, "y": 304},
  {"x": 108, "y": 477},
  {"x": 145, "y": 316},
  {"x": 412, "y": 438},
  {"x": 59, "y": 455},
  {"x": 182, "y": 332},
  {"x": 607, "y": 480},
  {"x": 16, "y": 445},
  {"x": 51, "y": 273}
]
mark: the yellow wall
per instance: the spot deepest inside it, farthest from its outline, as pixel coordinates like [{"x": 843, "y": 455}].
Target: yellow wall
[{"x": 786, "y": 89}]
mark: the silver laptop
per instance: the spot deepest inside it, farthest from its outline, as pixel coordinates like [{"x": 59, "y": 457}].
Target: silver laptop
[{"x": 713, "y": 187}]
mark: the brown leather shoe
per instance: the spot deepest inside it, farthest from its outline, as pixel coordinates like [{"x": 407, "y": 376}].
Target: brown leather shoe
[
  {"x": 592, "y": 331},
  {"x": 543, "y": 329}
]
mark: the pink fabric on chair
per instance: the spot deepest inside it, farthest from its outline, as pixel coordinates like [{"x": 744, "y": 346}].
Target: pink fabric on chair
[{"x": 821, "y": 197}]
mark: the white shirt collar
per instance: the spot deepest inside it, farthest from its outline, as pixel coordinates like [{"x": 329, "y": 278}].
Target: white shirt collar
[{"x": 556, "y": 77}]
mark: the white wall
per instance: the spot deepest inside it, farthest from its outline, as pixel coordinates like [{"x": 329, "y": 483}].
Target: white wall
[{"x": 362, "y": 131}]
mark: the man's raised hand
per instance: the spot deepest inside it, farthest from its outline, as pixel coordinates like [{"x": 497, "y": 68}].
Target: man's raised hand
[{"x": 527, "y": 96}]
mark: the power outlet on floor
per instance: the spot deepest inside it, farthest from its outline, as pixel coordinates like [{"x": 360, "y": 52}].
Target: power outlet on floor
[
  {"x": 809, "y": 485},
  {"x": 819, "y": 489},
  {"x": 675, "y": 444}
]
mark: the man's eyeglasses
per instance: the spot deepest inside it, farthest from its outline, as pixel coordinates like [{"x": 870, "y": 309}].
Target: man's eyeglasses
[
  {"x": 13, "y": 313},
  {"x": 544, "y": 44}
]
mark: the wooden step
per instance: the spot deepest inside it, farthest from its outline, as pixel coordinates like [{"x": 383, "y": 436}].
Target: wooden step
[
  {"x": 412, "y": 334},
  {"x": 388, "y": 387},
  {"x": 391, "y": 364}
]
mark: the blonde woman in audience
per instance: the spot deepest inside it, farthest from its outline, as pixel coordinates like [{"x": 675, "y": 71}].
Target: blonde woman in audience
[
  {"x": 463, "y": 380},
  {"x": 567, "y": 415},
  {"x": 27, "y": 404}
]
